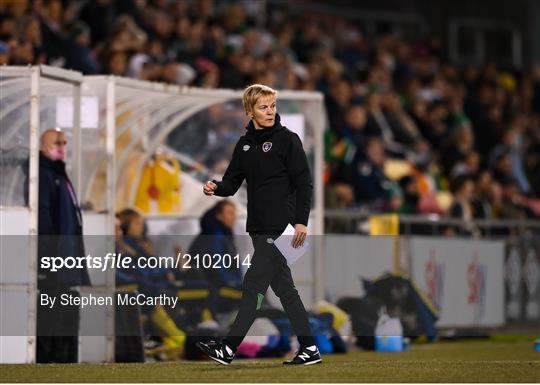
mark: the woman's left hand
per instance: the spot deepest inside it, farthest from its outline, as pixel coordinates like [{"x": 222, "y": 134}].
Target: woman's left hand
[{"x": 300, "y": 235}]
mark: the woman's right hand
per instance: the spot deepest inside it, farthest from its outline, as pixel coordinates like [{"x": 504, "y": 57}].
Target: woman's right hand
[{"x": 209, "y": 188}]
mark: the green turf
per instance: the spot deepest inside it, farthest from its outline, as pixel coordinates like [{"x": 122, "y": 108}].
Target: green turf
[{"x": 481, "y": 361}]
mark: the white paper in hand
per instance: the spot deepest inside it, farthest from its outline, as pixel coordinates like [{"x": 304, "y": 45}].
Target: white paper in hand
[{"x": 284, "y": 245}]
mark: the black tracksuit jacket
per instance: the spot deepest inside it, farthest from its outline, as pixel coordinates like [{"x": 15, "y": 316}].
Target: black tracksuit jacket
[{"x": 275, "y": 167}]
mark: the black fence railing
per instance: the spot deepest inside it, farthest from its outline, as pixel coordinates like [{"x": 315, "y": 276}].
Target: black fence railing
[{"x": 351, "y": 221}]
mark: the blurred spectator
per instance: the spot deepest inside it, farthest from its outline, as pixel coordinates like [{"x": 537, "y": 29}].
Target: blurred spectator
[
  {"x": 99, "y": 16},
  {"x": 7, "y": 27},
  {"x": 116, "y": 63},
  {"x": 501, "y": 162},
  {"x": 436, "y": 130},
  {"x": 78, "y": 55},
  {"x": 512, "y": 203},
  {"x": 411, "y": 197},
  {"x": 377, "y": 124},
  {"x": 53, "y": 27},
  {"x": 463, "y": 206},
  {"x": 30, "y": 33},
  {"x": 532, "y": 158},
  {"x": 403, "y": 127},
  {"x": 468, "y": 164},
  {"x": 125, "y": 37},
  {"x": 178, "y": 73},
  {"x": 495, "y": 199},
  {"x": 22, "y": 53},
  {"x": 120, "y": 245},
  {"x": 489, "y": 127},
  {"x": 465, "y": 120},
  {"x": 370, "y": 184},
  {"x": 353, "y": 127},
  {"x": 427, "y": 176},
  {"x": 337, "y": 101},
  {"x": 512, "y": 144},
  {"x": 460, "y": 145},
  {"x": 484, "y": 195}
]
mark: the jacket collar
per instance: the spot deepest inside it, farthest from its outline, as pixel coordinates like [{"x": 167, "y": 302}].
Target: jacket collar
[
  {"x": 265, "y": 133},
  {"x": 58, "y": 166}
]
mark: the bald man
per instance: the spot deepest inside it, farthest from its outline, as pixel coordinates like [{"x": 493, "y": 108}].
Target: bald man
[
  {"x": 60, "y": 235},
  {"x": 59, "y": 211},
  {"x": 53, "y": 144}
]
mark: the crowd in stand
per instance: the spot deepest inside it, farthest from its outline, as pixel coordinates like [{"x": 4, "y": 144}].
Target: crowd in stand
[{"x": 474, "y": 130}]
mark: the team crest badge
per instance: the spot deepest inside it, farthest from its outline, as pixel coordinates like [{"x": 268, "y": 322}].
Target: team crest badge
[
  {"x": 267, "y": 146},
  {"x": 246, "y": 147}
]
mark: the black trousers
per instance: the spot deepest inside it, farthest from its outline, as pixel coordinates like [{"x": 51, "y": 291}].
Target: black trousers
[
  {"x": 57, "y": 339},
  {"x": 269, "y": 268}
]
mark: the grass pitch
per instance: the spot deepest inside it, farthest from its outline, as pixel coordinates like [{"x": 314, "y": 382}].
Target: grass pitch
[{"x": 477, "y": 361}]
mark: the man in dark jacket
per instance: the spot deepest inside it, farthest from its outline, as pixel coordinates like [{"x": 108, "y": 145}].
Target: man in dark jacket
[
  {"x": 272, "y": 161},
  {"x": 216, "y": 237},
  {"x": 60, "y": 235}
]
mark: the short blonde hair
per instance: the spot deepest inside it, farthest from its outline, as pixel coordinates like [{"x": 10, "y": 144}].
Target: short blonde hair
[{"x": 253, "y": 93}]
